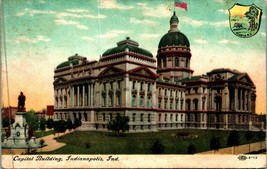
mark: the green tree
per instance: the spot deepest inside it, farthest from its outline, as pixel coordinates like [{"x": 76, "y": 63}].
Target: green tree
[
  {"x": 233, "y": 139},
  {"x": 32, "y": 120},
  {"x": 157, "y": 147},
  {"x": 191, "y": 149},
  {"x": 50, "y": 123},
  {"x": 60, "y": 126},
  {"x": 77, "y": 123},
  {"x": 69, "y": 124},
  {"x": 119, "y": 124},
  {"x": 215, "y": 143},
  {"x": 7, "y": 121},
  {"x": 42, "y": 125}
]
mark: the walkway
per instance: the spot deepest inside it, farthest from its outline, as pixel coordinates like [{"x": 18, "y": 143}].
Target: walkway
[
  {"x": 50, "y": 141},
  {"x": 242, "y": 149}
]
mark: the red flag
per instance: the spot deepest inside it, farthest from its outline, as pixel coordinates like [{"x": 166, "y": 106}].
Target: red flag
[{"x": 180, "y": 4}]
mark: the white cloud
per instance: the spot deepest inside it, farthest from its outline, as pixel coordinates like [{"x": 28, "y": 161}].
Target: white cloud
[
  {"x": 113, "y": 34},
  {"x": 20, "y": 14},
  {"x": 150, "y": 35},
  {"x": 201, "y": 41},
  {"x": 67, "y": 14},
  {"x": 88, "y": 38},
  {"x": 263, "y": 34},
  {"x": 193, "y": 22},
  {"x": 77, "y": 10},
  {"x": 219, "y": 24},
  {"x": 223, "y": 11},
  {"x": 143, "y": 21},
  {"x": 226, "y": 41},
  {"x": 220, "y": 1},
  {"x": 32, "y": 12},
  {"x": 42, "y": 1},
  {"x": 71, "y": 22},
  {"x": 141, "y": 4},
  {"x": 39, "y": 38},
  {"x": 159, "y": 12},
  {"x": 112, "y": 4}
]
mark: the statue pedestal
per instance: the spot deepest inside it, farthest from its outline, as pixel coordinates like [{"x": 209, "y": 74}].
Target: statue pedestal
[{"x": 19, "y": 134}]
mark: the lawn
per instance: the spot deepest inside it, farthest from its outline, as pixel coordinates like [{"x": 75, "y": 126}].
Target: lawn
[
  {"x": 85, "y": 142},
  {"x": 39, "y": 133}
]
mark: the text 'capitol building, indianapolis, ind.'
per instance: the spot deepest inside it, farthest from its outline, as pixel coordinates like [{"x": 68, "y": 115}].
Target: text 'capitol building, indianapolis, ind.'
[{"x": 156, "y": 93}]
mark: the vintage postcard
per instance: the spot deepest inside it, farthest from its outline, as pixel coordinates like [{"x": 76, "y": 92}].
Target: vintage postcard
[{"x": 133, "y": 84}]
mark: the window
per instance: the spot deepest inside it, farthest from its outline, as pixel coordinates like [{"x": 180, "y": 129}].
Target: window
[
  {"x": 182, "y": 117},
  {"x": 119, "y": 84},
  {"x": 171, "y": 93},
  {"x": 110, "y": 116},
  {"x": 171, "y": 104},
  {"x": 182, "y": 104},
  {"x": 171, "y": 117},
  {"x": 141, "y": 101},
  {"x": 176, "y": 105},
  {"x": 104, "y": 117},
  {"x": 134, "y": 83},
  {"x": 142, "y": 117},
  {"x": 176, "y": 117},
  {"x": 165, "y": 118},
  {"x": 104, "y": 86},
  {"x": 195, "y": 104},
  {"x": 165, "y": 104},
  {"x": 104, "y": 100},
  {"x": 134, "y": 115},
  {"x": 186, "y": 63},
  {"x": 196, "y": 90},
  {"x": 141, "y": 87},
  {"x": 165, "y": 92},
  {"x": 118, "y": 99},
  {"x": 133, "y": 100},
  {"x": 159, "y": 104},
  {"x": 111, "y": 100},
  {"x": 188, "y": 104},
  {"x": 148, "y": 87},
  {"x": 164, "y": 62},
  {"x": 111, "y": 86},
  {"x": 176, "y": 62},
  {"x": 159, "y": 91},
  {"x": 159, "y": 117},
  {"x": 148, "y": 102},
  {"x": 148, "y": 117}
]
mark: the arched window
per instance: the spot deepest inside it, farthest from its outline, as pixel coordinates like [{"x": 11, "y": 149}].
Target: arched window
[
  {"x": 142, "y": 117},
  {"x": 133, "y": 100},
  {"x": 188, "y": 104},
  {"x": 176, "y": 62},
  {"x": 141, "y": 101},
  {"x": 134, "y": 115},
  {"x": 195, "y": 101}
]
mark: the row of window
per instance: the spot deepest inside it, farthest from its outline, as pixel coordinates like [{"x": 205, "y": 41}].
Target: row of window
[
  {"x": 141, "y": 101},
  {"x": 111, "y": 85},
  {"x": 171, "y": 117},
  {"x": 195, "y": 90},
  {"x": 173, "y": 93},
  {"x": 142, "y": 86},
  {"x": 176, "y": 63},
  {"x": 171, "y": 105}
]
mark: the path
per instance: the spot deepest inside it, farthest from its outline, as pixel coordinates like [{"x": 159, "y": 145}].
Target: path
[{"x": 242, "y": 149}]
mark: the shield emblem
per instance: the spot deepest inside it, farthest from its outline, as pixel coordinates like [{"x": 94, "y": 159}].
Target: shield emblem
[{"x": 244, "y": 20}]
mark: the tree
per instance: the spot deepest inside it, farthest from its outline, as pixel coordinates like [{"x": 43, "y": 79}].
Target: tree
[
  {"x": 157, "y": 147},
  {"x": 32, "y": 120},
  {"x": 60, "y": 126},
  {"x": 50, "y": 123},
  {"x": 7, "y": 121},
  {"x": 69, "y": 124},
  {"x": 233, "y": 139},
  {"x": 215, "y": 143},
  {"x": 42, "y": 126},
  {"x": 119, "y": 124},
  {"x": 252, "y": 14},
  {"x": 191, "y": 149},
  {"x": 77, "y": 123}
]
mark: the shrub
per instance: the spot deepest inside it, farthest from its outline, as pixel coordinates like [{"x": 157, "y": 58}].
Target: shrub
[{"x": 157, "y": 147}]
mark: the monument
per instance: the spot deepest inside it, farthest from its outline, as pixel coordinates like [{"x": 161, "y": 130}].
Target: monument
[{"x": 19, "y": 129}]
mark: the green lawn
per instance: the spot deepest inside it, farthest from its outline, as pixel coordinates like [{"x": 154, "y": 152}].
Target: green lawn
[
  {"x": 39, "y": 134},
  {"x": 82, "y": 142}
]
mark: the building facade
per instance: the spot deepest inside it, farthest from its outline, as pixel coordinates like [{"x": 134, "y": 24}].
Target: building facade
[{"x": 156, "y": 94}]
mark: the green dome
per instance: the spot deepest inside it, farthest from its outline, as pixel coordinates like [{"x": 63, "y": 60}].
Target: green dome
[
  {"x": 174, "y": 39},
  {"x": 174, "y": 18},
  {"x": 68, "y": 63},
  {"x": 132, "y": 47}
]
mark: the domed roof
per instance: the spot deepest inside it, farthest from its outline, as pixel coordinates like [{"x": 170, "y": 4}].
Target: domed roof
[
  {"x": 174, "y": 18},
  {"x": 174, "y": 39},
  {"x": 131, "y": 45},
  {"x": 72, "y": 60}
]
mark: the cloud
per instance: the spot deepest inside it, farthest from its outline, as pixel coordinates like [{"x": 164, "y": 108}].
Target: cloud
[
  {"x": 223, "y": 11},
  {"x": 67, "y": 14},
  {"x": 39, "y": 38},
  {"x": 220, "y": 1},
  {"x": 150, "y": 35},
  {"x": 112, "y": 4},
  {"x": 113, "y": 34},
  {"x": 263, "y": 34},
  {"x": 42, "y": 1},
  {"x": 77, "y": 10},
  {"x": 143, "y": 21},
  {"x": 226, "y": 41},
  {"x": 201, "y": 41},
  {"x": 159, "y": 12},
  {"x": 193, "y": 22},
  {"x": 71, "y": 22},
  {"x": 32, "y": 12},
  {"x": 141, "y": 4},
  {"x": 88, "y": 38}
]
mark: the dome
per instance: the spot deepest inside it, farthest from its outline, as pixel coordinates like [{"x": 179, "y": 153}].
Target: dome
[
  {"x": 174, "y": 39},
  {"x": 72, "y": 60},
  {"x": 131, "y": 45}
]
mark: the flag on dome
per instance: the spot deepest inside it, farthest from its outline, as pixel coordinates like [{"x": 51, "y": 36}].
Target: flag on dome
[{"x": 180, "y": 4}]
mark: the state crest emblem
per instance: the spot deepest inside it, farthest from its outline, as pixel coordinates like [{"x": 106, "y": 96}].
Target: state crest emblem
[{"x": 244, "y": 20}]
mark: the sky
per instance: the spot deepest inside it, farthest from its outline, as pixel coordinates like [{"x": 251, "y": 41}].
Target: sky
[{"x": 41, "y": 34}]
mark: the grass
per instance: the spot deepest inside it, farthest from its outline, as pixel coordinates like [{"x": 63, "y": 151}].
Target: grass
[
  {"x": 38, "y": 133},
  {"x": 84, "y": 142}
]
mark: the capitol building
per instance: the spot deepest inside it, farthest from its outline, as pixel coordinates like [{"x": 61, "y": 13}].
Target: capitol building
[{"x": 155, "y": 92}]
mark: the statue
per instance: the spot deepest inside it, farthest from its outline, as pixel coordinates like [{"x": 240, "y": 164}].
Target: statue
[{"x": 21, "y": 102}]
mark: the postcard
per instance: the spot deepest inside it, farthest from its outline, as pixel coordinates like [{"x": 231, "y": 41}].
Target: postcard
[{"x": 133, "y": 84}]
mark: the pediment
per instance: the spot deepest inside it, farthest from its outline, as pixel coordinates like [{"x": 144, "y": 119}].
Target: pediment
[
  {"x": 110, "y": 71},
  {"x": 60, "y": 80},
  {"x": 245, "y": 79},
  {"x": 143, "y": 71}
]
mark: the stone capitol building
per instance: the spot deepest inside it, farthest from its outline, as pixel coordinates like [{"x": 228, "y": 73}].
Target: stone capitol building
[{"x": 156, "y": 93}]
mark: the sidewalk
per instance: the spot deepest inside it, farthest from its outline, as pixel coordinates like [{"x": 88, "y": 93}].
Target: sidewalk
[
  {"x": 50, "y": 141},
  {"x": 242, "y": 149}
]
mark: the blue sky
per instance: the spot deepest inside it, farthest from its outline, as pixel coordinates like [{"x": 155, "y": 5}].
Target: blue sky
[{"x": 40, "y": 34}]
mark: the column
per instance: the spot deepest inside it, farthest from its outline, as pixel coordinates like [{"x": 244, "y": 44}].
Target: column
[
  {"x": 72, "y": 96},
  {"x": 63, "y": 99},
  {"x": 226, "y": 121},
  {"x": 78, "y": 96},
  {"x": 89, "y": 95},
  {"x": 249, "y": 101},
  {"x": 235, "y": 98},
  {"x": 83, "y": 100}
]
